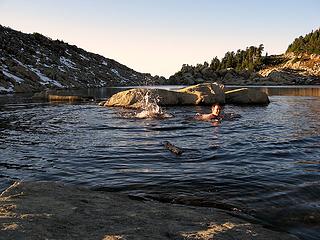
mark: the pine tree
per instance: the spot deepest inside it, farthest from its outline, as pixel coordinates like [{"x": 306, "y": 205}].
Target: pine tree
[
  {"x": 310, "y": 43},
  {"x": 250, "y": 59}
]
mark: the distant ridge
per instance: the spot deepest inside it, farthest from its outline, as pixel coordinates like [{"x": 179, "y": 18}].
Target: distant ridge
[{"x": 33, "y": 62}]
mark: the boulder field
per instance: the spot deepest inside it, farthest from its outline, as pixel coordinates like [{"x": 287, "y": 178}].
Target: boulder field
[{"x": 200, "y": 94}]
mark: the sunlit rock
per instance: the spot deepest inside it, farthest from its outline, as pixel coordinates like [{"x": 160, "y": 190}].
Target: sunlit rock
[
  {"x": 201, "y": 94},
  {"x": 135, "y": 98},
  {"x": 206, "y": 93},
  {"x": 246, "y": 96}
]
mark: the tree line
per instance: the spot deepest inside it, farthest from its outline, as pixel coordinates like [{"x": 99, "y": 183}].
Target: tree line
[
  {"x": 250, "y": 59},
  {"x": 310, "y": 43}
]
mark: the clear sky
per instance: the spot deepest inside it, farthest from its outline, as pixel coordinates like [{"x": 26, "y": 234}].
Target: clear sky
[{"x": 159, "y": 36}]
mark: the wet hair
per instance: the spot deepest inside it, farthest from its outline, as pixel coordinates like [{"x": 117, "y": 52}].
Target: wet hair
[{"x": 216, "y": 104}]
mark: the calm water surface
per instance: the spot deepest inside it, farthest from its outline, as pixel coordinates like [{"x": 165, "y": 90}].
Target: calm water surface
[{"x": 264, "y": 167}]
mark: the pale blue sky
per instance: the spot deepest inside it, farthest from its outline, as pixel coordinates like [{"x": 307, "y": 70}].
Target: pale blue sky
[{"x": 159, "y": 36}]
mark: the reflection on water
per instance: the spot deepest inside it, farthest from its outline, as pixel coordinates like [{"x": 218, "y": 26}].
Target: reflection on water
[
  {"x": 264, "y": 165},
  {"x": 270, "y": 90},
  {"x": 286, "y": 90},
  {"x": 292, "y": 91}
]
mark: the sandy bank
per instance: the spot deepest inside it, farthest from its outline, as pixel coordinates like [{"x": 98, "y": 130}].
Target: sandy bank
[{"x": 47, "y": 210}]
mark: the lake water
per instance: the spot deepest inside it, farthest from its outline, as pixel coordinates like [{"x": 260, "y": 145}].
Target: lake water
[{"x": 263, "y": 167}]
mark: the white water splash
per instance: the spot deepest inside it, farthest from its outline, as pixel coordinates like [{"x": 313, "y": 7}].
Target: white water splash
[{"x": 151, "y": 109}]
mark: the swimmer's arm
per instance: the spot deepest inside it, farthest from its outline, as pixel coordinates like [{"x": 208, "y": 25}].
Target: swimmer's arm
[{"x": 203, "y": 117}]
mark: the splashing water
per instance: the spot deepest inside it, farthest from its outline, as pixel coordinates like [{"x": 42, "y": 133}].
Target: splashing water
[{"x": 151, "y": 109}]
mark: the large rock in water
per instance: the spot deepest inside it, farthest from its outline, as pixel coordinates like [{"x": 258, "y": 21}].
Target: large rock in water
[
  {"x": 246, "y": 96},
  {"x": 137, "y": 98},
  {"x": 201, "y": 94},
  {"x": 207, "y": 93}
]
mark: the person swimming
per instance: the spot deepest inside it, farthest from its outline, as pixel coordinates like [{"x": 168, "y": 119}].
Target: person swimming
[{"x": 215, "y": 114}]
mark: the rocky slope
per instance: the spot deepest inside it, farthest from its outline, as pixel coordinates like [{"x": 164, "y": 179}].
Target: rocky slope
[
  {"x": 295, "y": 68},
  {"x": 285, "y": 69},
  {"x": 299, "y": 65},
  {"x": 33, "y": 62}
]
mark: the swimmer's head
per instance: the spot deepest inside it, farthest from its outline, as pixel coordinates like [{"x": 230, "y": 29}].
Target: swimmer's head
[{"x": 216, "y": 109}]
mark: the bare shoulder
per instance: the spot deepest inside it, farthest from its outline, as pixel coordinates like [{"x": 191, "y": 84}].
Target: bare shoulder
[{"x": 203, "y": 117}]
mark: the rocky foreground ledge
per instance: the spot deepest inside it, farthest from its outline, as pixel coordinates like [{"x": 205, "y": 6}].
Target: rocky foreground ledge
[{"x": 49, "y": 210}]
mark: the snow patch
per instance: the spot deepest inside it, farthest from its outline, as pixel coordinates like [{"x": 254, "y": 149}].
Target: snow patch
[
  {"x": 45, "y": 80},
  {"x": 45, "y": 65},
  {"x": 7, "y": 90},
  {"x": 102, "y": 83},
  {"x": 67, "y": 52},
  {"x": 105, "y": 63},
  {"x": 115, "y": 72},
  {"x": 123, "y": 79},
  {"x": 14, "y": 77},
  {"x": 84, "y": 57},
  {"x": 67, "y": 62},
  {"x": 61, "y": 69},
  {"x": 23, "y": 65}
]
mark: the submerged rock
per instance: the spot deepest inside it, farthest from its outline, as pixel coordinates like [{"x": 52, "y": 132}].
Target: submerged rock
[
  {"x": 48, "y": 210},
  {"x": 246, "y": 96},
  {"x": 46, "y": 95},
  {"x": 58, "y": 98},
  {"x": 172, "y": 148}
]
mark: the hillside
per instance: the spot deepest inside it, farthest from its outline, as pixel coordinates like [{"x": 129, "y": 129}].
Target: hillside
[
  {"x": 33, "y": 62},
  {"x": 308, "y": 44},
  {"x": 300, "y": 65}
]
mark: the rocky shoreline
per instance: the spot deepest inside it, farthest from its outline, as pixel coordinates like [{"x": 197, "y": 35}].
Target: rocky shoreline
[
  {"x": 285, "y": 69},
  {"x": 51, "y": 210}
]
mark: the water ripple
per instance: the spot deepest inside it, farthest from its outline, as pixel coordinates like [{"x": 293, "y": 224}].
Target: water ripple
[{"x": 263, "y": 165}]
